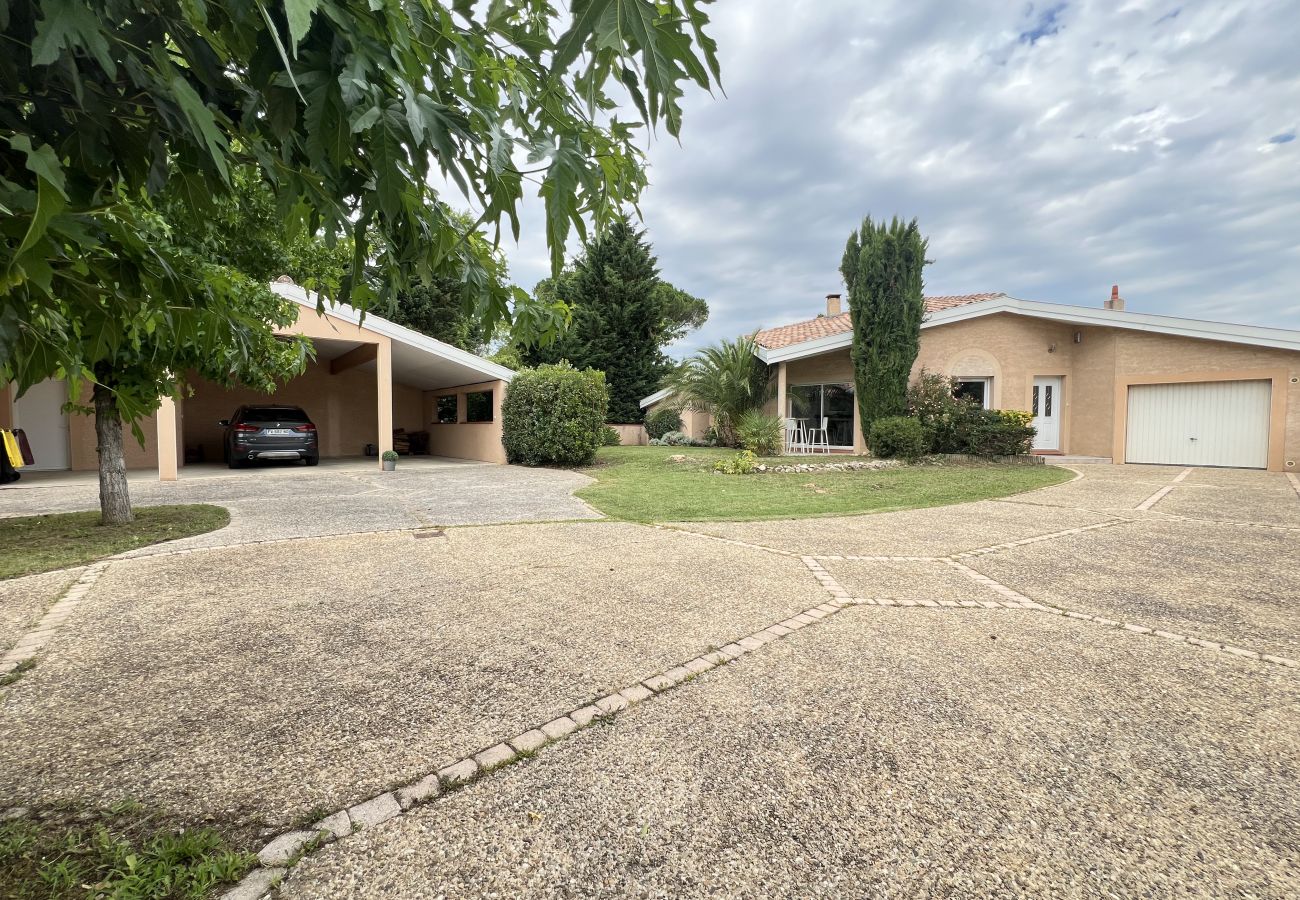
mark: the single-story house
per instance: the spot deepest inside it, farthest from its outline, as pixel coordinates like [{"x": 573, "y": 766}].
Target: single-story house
[
  {"x": 1102, "y": 382},
  {"x": 369, "y": 377}
]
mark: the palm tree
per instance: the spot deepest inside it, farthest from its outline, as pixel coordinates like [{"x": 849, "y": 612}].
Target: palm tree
[{"x": 726, "y": 380}]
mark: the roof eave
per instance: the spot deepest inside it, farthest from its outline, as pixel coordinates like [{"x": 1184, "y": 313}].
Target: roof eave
[{"x": 393, "y": 331}]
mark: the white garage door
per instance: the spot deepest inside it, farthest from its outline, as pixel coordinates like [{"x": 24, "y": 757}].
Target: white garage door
[{"x": 1207, "y": 423}]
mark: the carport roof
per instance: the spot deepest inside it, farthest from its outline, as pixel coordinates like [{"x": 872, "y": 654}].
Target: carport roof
[{"x": 418, "y": 360}]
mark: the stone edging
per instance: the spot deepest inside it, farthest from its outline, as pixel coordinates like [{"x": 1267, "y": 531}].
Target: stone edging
[
  {"x": 284, "y": 851},
  {"x": 35, "y": 640}
]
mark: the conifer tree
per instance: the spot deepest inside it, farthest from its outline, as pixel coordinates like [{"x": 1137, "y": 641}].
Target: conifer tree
[
  {"x": 621, "y": 319},
  {"x": 882, "y": 270}
]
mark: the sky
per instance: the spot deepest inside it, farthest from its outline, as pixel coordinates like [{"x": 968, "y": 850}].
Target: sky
[{"x": 1047, "y": 150}]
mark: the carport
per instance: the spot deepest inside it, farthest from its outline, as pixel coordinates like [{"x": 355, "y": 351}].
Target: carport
[{"x": 370, "y": 376}]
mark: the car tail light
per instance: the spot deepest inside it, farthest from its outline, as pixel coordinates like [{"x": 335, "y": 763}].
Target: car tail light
[
  {"x": 308, "y": 427},
  {"x": 246, "y": 429}
]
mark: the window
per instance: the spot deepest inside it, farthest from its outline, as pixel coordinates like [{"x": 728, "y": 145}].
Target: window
[
  {"x": 478, "y": 406},
  {"x": 446, "y": 412},
  {"x": 834, "y": 402},
  {"x": 978, "y": 389}
]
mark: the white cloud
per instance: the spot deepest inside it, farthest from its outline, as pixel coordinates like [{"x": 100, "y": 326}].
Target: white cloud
[{"x": 1047, "y": 154}]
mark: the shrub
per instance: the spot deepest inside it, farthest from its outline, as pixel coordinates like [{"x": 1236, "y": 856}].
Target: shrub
[
  {"x": 999, "y": 432},
  {"x": 945, "y": 418},
  {"x": 761, "y": 433},
  {"x": 899, "y": 436},
  {"x": 676, "y": 439},
  {"x": 663, "y": 420},
  {"x": 609, "y": 437},
  {"x": 743, "y": 463},
  {"x": 553, "y": 415}
]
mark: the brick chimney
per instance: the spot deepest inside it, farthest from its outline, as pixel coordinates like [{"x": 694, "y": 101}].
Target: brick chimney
[
  {"x": 1115, "y": 301},
  {"x": 833, "y": 305}
]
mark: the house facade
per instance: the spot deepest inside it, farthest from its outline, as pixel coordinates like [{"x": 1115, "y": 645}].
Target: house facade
[
  {"x": 1102, "y": 382},
  {"x": 369, "y": 378}
]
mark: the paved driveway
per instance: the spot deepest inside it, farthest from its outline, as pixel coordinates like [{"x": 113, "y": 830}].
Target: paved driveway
[
  {"x": 1085, "y": 690},
  {"x": 338, "y": 497}
]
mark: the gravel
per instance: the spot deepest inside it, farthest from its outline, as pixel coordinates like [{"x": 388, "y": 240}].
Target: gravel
[
  {"x": 1105, "y": 488},
  {"x": 917, "y": 753},
  {"x": 907, "y": 581},
  {"x": 921, "y": 532},
  {"x": 1233, "y": 585},
  {"x": 24, "y": 600},
  {"x": 253, "y": 685},
  {"x": 275, "y": 503},
  {"x": 1225, "y": 496}
]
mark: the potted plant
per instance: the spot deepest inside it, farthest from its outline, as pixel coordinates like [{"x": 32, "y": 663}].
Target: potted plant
[{"x": 389, "y": 460}]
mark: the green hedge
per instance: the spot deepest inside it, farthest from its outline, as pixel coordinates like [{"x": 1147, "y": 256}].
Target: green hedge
[
  {"x": 898, "y": 436},
  {"x": 554, "y": 415},
  {"x": 661, "y": 421}
]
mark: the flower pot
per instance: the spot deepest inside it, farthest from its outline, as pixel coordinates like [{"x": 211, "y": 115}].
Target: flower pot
[{"x": 389, "y": 464}]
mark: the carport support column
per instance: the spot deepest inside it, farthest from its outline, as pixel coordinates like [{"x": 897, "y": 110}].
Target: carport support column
[
  {"x": 384, "y": 389},
  {"x": 168, "y": 428},
  {"x": 782, "y": 404}
]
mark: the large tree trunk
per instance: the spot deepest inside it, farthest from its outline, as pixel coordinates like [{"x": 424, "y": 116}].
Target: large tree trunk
[{"x": 114, "y": 501}]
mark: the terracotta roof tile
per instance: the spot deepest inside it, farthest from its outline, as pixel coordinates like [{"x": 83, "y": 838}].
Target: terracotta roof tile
[{"x": 825, "y": 326}]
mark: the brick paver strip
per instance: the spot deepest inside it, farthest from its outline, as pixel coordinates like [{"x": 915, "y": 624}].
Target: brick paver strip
[
  {"x": 35, "y": 639},
  {"x": 535, "y": 739},
  {"x": 429, "y": 787},
  {"x": 494, "y": 756}
]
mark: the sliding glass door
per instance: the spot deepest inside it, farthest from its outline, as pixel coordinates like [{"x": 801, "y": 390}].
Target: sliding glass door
[{"x": 833, "y": 402}]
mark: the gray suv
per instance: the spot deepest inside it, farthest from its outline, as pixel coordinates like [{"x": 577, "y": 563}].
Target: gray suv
[{"x": 270, "y": 432}]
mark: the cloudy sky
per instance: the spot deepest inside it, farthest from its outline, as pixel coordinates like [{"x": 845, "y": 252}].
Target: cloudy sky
[{"x": 1048, "y": 150}]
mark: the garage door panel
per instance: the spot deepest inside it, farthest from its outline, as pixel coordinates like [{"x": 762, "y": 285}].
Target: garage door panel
[{"x": 1211, "y": 423}]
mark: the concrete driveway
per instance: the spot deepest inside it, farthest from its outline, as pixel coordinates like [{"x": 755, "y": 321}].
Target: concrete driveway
[
  {"x": 1090, "y": 689},
  {"x": 340, "y": 496}
]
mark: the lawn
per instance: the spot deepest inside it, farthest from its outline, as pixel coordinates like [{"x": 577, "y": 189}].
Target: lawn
[
  {"x": 30, "y": 544},
  {"x": 642, "y": 485}
]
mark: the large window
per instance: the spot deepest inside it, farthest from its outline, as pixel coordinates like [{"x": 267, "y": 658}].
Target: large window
[
  {"x": 478, "y": 406},
  {"x": 446, "y": 413},
  {"x": 833, "y": 402}
]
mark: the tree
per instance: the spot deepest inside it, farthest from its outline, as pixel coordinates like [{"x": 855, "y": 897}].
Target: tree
[
  {"x": 436, "y": 307},
  {"x": 680, "y": 313},
  {"x": 623, "y": 316},
  {"x": 726, "y": 381},
  {"x": 882, "y": 270},
  {"x": 343, "y": 109}
]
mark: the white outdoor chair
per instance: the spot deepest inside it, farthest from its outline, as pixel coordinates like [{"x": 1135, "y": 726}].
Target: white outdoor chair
[
  {"x": 818, "y": 440},
  {"x": 795, "y": 440}
]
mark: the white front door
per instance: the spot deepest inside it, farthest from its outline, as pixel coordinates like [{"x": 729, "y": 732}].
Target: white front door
[
  {"x": 40, "y": 415},
  {"x": 1046, "y": 407}
]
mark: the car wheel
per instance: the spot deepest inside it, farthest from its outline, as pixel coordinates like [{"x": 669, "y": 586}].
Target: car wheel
[
  {"x": 312, "y": 460},
  {"x": 234, "y": 461}
]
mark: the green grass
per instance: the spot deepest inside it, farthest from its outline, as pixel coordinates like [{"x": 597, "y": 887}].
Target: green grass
[
  {"x": 31, "y": 544},
  {"x": 640, "y": 484},
  {"x": 120, "y": 854}
]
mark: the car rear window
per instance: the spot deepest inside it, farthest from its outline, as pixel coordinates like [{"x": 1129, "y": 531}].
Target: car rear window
[{"x": 275, "y": 414}]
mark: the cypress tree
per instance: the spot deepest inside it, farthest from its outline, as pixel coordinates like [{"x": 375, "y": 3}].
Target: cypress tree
[
  {"x": 882, "y": 270},
  {"x": 618, "y": 319}
]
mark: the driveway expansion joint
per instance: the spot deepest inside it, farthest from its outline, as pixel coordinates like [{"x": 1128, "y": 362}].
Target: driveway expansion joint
[
  {"x": 38, "y": 637},
  {"x": 282, "y": 852}
]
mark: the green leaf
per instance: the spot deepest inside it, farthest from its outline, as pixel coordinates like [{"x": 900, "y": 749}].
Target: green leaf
[
  {"x": 299, "y": 13},
  {"x": 49, "y": 203},
  {"x": 42, "y": 160},
  {"x": 204, "y": 123},
  {"x": 71, "y": 25},
  {"x": 586, "y": 14}
]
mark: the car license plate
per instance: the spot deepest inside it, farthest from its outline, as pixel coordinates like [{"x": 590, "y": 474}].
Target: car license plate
[{"x": 283, "y": 432}]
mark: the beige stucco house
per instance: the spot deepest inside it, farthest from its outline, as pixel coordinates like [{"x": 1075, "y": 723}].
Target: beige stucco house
[
  {"x": 1101, "y": 382},
  {"x": 369, "y": 377}
]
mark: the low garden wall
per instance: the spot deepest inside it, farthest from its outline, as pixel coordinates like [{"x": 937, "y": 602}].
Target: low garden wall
[{"x": 631, "y": 435}]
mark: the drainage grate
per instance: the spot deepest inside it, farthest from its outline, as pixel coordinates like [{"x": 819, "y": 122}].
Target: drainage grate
[{"x": 433, "y": 532}]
